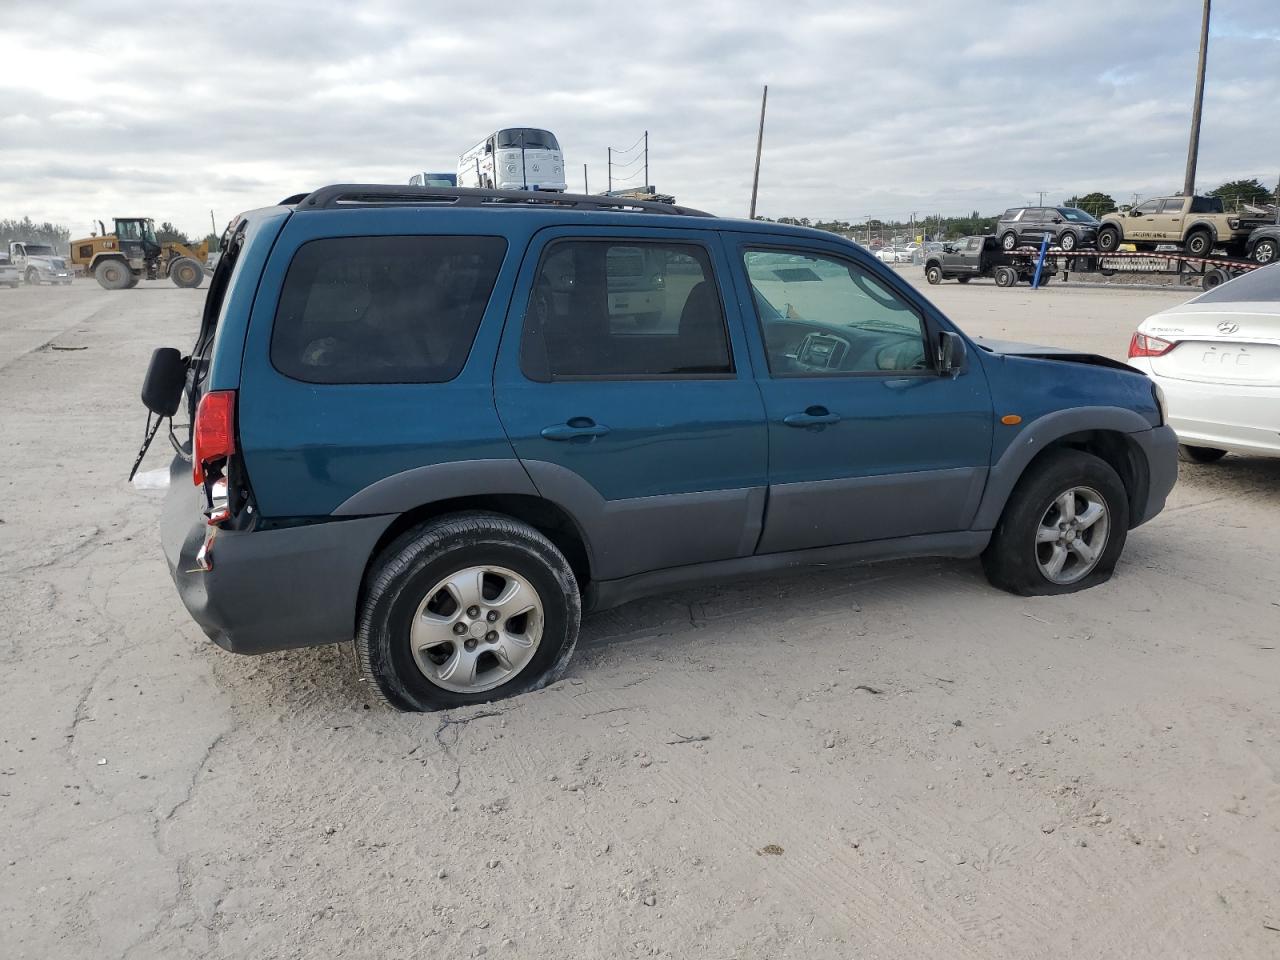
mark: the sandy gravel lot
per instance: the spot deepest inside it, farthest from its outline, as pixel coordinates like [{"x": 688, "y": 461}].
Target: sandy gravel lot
[{"x": 887, "y": 761}]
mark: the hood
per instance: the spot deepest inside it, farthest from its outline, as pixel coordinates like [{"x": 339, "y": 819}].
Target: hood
[{"x": 1011, "y": 348}]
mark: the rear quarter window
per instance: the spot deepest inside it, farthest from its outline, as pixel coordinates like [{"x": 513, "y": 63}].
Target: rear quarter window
[{"x": 383, "y": 309}]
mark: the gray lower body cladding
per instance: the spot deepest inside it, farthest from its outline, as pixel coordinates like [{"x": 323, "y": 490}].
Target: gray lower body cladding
[{"x": 267, "y": 589}]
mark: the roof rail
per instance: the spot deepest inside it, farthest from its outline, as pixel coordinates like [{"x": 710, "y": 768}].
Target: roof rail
[{"x": 346, "y": 195}]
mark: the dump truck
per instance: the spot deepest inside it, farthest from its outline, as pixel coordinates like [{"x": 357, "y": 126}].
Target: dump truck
[{"x": 131, "y": 252}]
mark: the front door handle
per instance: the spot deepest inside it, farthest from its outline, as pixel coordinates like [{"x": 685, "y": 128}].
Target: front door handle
[
  {"x": 583, "y": 427},
  {"x": 812, "y": 417}
]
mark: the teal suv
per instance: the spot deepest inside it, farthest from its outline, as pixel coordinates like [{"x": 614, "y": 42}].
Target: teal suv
[{"x": 445, "y": 423}]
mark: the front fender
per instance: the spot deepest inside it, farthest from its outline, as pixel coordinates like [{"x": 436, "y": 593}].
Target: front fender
[{"x": 1037, "y": 436}]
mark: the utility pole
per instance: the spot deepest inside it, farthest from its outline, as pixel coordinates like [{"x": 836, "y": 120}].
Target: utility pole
[
  {"x": 1041, "y": 203},
  {"x": 611, "y": 169},
  {"x": 755, "y": 180},
  {"x": 1193, "y": 148},
  {"x": 646, "y": 158},
  {"x": 586, "y": 189}
]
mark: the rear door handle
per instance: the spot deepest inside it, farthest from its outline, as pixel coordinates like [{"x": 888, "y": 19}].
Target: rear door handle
[
  {"x": 814, "y": 416},
  {"x": 583, "y": 427}
]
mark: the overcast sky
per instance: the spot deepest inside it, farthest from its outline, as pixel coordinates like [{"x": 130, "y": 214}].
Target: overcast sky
[{"x": 874, "y": 108}]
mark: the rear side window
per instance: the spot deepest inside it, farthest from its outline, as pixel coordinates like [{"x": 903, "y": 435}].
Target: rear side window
[
  {"x": 383, "y": 309},
  {"x": 620, "y": 310}
]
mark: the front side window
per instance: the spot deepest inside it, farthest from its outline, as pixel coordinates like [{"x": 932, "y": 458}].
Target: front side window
[
  {"x": 1148, "y": 208},
  {"x": 615, "y": 309},
  {"x": 383, "y": 309},
  {"x": 822, "y": 316}
]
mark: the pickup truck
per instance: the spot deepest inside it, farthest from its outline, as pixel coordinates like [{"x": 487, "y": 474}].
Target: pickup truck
[
  {"x": 38, "y": 262},
  {"x": 971, "y": 257},
  {"x": 1197, "y": 224}
]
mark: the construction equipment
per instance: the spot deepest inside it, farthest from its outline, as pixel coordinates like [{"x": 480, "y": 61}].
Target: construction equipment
[{"x": 118, "y": 260}]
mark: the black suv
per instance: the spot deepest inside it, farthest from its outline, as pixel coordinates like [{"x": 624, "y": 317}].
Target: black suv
[{"x": 1068, "y": 227}]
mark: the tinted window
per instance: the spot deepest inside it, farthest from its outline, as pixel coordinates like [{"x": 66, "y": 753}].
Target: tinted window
[
  {"x": 383, "y": 309},
  {"x": 821, "y": 316},
  {"x": 618, "y": 309},
  {"x": 1075, "y": 215},
  {"x": 1207, "y": 205},
  {"x": 1147, "y": 208},
  {"x": 1171, "y": 205},
  {"x": 1011, "y": 213}
]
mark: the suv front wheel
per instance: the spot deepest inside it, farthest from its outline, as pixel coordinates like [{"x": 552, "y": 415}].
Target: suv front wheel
[
  {"x": 466, "y": 609},
  {"x": 1109, "y": 239},
  {"x": 1062, "y": 529}
]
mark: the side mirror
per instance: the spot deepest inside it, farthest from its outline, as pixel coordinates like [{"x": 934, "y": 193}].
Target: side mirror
[
  {"x": 1134, "y": 212},
  {"x": 165, "y": 380},
  {"x": 1057, "y": 219},
  {"x": 950, "y": 352}
]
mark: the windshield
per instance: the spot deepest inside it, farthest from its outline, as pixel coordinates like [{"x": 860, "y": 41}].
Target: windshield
[
  {"x": 1075, "y": 215},
  {"x": 136, "y": 230},
  {"x": 527, "y": 137},
  {"x": 38, "y": 250}
]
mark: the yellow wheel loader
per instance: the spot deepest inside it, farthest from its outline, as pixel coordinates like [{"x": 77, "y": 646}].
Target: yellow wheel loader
[{"x": 118, "y": 260}]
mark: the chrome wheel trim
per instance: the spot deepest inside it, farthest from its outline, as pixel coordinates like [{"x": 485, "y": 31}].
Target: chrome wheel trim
[
  {"x": 1072, "y": 535},
  {"x": 476, "y": 629}
]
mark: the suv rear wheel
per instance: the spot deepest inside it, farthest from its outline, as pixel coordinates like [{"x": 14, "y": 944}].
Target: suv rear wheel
[
  {"x": 1009, "y": 241},
  {"x": 1109, "y": 239},
  {"x": 1266, "y": 250},
  {"x": 466, "y": 609},
  {"x": 1062, "y": 529}
]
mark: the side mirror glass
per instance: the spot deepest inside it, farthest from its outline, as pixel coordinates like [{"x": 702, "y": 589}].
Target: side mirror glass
[
  {"x": 950, "y": 352},
  {"x": 165, "y": 380}
]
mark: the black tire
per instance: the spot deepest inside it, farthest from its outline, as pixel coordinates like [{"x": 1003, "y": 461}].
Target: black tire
[
  {"x": 32, "y": 276},
  {"x": 963, "y": 279},
  {"x": 933, "y": 273},
  {"x": 1199, "y": 243},
  {"x": 113, "y": 275},
  {"x": 1213, "y": 278},
  {"x": 1068, "y": 241},
  {"x": 1045, "y": 278},
  {"x": 410, "y": 566},
  {"x": 1008, "y": 240},
  {"x": 1109, "y": 239},
  {"x": 1190, "y": 454},
  {"x": 1005, "y": 276},
  {"x": 1010, "y": 558},
  {"x": 1265, "y": 250},
  {"x": 186, "y": 273}
]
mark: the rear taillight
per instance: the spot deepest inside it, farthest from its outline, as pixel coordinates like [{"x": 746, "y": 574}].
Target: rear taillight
[
  {"x": 1143, "y": 345},
  {"x": 214, "y": 434}
]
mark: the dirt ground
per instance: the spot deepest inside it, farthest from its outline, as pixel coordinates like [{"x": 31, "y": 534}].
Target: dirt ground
[{"x": 874, "y": 762}]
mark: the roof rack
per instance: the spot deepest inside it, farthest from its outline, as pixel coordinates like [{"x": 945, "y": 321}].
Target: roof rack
[{"x": 346, "y": 195}]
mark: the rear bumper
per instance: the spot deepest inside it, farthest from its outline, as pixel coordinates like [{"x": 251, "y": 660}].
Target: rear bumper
[
  {"x": 267, "y": 589},
  {"x": 1240, "y": 418},
  {"x": 1160, "y": 446}
]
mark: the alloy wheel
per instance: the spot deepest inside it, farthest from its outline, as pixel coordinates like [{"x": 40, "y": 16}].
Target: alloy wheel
[
  {"x": 476, "y": 629},
  {"x": 1072, "y": 535}
]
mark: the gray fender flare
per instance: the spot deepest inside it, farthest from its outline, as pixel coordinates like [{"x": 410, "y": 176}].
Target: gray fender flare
[
  {"x": 414, "y": 488},
  {"x": 1034, "y": 438}
]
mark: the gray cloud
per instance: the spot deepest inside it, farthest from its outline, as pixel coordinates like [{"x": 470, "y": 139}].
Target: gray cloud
[{"x": 880, "y": 109}]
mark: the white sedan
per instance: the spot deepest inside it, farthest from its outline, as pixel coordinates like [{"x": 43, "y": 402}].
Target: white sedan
[
  {"x": 887, "y": 255},
  {"x": 1217, "y": 359}
]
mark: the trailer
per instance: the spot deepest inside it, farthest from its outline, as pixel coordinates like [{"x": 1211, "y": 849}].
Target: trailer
[
  {"x": 984, "y": 257},
  {"x": 1205, "y": 271}
]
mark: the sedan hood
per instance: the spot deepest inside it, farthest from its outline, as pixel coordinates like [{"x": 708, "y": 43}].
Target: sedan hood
[{"x": 1011, "y": 348}]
